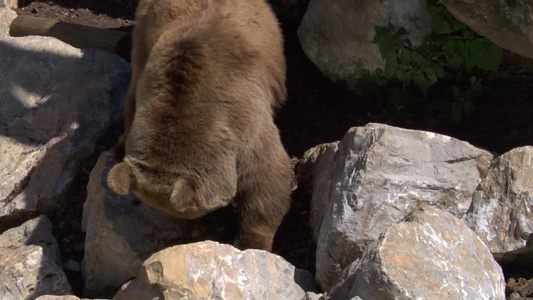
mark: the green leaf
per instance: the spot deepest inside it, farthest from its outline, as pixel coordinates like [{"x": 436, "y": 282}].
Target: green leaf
[
  {"x": 401, "y": 31},
  {"x": 449, "y": 45},
  {"x": 400, "y": 74},
  {"x": 406, "y": 56},
  {"x": 475, "y": 82},
  {"x": 421, "y": 81},
  {"x": 484, "y": 55},
  {"x": 456, "y": 93},
  {"x": 451, "y": 52},
  {"x": 424, "y": 63},
  {"x": 430, "y": 75},
  {"x": 382, "y": 35},
  {"x": 437, "y": 23},
  {"x": 391, "y": 64},
  {"x": 456, "y": 112},
  {"x": 460, "y": 47},
  {"x": 417, "y": 58},
  {"x": 428, "y": 72},
  {"x": 409, "y": 76},
  {"x": 381, "y": 31},
  {"x": 469, "y": 107},
  {"x": 432, "y": 8},
  {"x": 438, "y": 70},
  {"x": 455, "y": 62}
]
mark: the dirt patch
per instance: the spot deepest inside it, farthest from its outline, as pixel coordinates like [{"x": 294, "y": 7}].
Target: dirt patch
[{"x": 101, "y": 14}]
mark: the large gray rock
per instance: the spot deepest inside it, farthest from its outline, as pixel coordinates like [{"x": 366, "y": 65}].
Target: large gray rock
[
  {"x": 55, "y": 102},
  {"x": 432, "y": 255},
  {"x": 30, "y": 263},
  {"x": 501, "y": 212},
  {"x": 509, "y": 24},
  {"x": 380, "y": 175},
  {"x": 121, "y": 232},
  {"x": 209, "y": 270},
  {"x": 337, "y": 36}
]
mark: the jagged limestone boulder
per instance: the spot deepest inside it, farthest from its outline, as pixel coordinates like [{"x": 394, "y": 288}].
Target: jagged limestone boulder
[
  {"x": 501, "y": 212},
  {"x": 379, "y": 175},
  {"x": 431, "y": 255},
  {"x": 209, "y": 270}
]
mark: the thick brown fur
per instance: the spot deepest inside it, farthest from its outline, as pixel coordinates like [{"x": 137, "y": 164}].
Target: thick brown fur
[{"x": 199, "y": 132}]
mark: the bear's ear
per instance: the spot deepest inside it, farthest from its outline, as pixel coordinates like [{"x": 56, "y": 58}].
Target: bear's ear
[
  {"x": 120, "y": 179},
  {"x": 183, "y": 192}
]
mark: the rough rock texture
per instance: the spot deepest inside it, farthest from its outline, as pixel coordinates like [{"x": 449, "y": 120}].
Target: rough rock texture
[
  {"x": 209, "y": 270},
  {"x": 383, "y": 173},
  {"x": 67, "y": 297},
  {"x": 315, "y": 174},
  {"x": 337, "y": 35},
  {"x": 121, "y": 232},
  {"x": 7, "y": 15},
  {"x": 432, "y": 255},
  {"x": 509, "y": 24},
  {"x": 55, "y": 102},
  {"x": 501, "y": 212},
  {"x": 519, "y": 289},
  {"x": 313, "y": 296},
  {"x": 30, "y": 263},
  {"x": 9, "y": 3}
]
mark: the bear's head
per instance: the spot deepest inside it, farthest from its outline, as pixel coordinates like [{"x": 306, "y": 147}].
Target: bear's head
[{"x": 178, "y": 195}]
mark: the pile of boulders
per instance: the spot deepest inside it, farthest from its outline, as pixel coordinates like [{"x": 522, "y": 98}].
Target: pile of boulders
[{"x": 395, "y": 213}]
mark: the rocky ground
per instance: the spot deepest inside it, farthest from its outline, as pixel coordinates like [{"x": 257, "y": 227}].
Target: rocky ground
[{"x": 317, "y": 111}]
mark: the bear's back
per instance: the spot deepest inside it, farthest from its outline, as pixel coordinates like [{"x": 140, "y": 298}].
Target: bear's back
[
  {"x": 254, "y": 20},
  {"x": 208, "y": 87}
]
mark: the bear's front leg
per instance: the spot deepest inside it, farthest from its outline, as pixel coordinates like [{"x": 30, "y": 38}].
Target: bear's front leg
[
  {"x": 262, "y": 201},
  {"x": 256, "y": 237}
]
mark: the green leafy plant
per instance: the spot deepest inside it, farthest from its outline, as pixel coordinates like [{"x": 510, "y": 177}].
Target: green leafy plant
[{"x": 451, "y": 56}]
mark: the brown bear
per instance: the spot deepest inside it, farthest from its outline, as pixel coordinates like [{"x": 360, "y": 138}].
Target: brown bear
[{"x": 199, "y": 133}]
